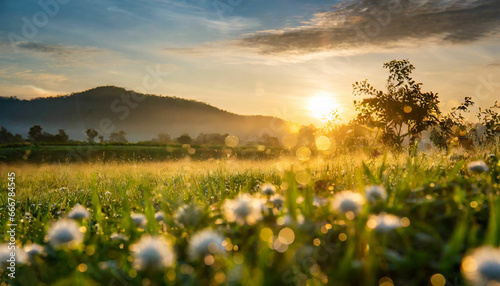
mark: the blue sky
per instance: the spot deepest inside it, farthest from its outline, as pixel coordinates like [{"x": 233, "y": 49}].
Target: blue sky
[{"x": 251, "y": 56}]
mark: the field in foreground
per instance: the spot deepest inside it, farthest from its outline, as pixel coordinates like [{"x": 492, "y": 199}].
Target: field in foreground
[{"x": 394, "y": 220}]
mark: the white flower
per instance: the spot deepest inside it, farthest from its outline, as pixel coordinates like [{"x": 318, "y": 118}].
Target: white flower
[
  {"x": 160, "y": 216},
  {"x": 118, "y": 236},
  {"x": 268, "y": 189},
  {"x": 5, "y": 255},
  {"x": 347, "y": 201},
  {"x": 477, "y": 167},
  {"x": 79, "y": 212},
  {"x": 140, "y": 220},
  {"x": 375, "y": 193},
  {"x": 188, "y": 214},
  {"x": 383, "y": 222},
  {"x": 244, "y": 210},
  {"x": 482, "y": 266},
  {"x": 33, "y": 250},
  {"x": 152, "y": 253},
  {"x": 204, "y": 243},
  {"x": 277, "y": 201},
  {"x": 64, "y": 232}
]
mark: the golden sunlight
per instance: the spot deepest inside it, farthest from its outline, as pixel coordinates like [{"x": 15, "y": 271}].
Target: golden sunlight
[{"x": 321, "y": 104}]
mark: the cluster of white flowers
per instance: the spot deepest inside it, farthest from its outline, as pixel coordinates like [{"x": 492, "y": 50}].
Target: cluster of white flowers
[
  {"x": 20, "y": 255},
  {"x": 245, "y": 209},
  {"x": 160, "y": 216},
  {"x": 79, "y": 212},
  {"x": 375, "y": 193},
  {"x": 277, "y": 201},
  {"x": 477, "y": 167},
  {"x": 204, "y": 243},
  {"x": 383, "y": 222},
  {"x": 268, "y": 189},
  {"x": 139, "y": 220},
  {"x": 63, "y": 233},
  {"x": 348, "y": 202},
  {"x": 32, "y": 250},
  {"x": 152, "y": 253},
  {"x": 189, "y": 214},
  {"x": 118, "y": 236},
  {"x": 482, "y": 266}
]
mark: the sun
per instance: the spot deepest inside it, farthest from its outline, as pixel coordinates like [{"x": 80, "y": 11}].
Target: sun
[{"x": 321, "y": 104}]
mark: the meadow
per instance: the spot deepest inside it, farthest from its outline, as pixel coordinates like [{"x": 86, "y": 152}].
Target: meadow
[{"x": 426, "y": 218}]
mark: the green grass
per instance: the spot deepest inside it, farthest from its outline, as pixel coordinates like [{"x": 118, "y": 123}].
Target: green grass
[{"x": 449, "y": 212}]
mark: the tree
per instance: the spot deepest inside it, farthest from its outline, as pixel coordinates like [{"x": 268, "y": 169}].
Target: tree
[
  {"x": 7, "y": 137},
  {"x": 118, "y": 137},
  {"x": 452, "y": 125},
  {"x": 490, "y": 119},
  {"x": 60, "y": 137},
  {"x": 268, "y": 140},
  {"x": 184, "y": 139},
  {"x": 35, "y": 133},
  {"x": 403, "y": 111},
  {"x": 91, "y": 134},
  {"x": 211, "y": 138}
]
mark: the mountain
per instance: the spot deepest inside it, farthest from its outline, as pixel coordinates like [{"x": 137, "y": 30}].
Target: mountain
[{"x": 142, "y": 116}]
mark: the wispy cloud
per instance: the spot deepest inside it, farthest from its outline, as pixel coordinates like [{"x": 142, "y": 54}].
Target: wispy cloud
[
  {"x": 57, "y": 50},
  {"x": 231, "y": 24},
  {"x": 32, "y": 76},
  {"x": 60, "y": 55},
  {"x": 28, "y": 91},
  {"x": 116, "y": 9},
  {"x": 385, "y": 23}
]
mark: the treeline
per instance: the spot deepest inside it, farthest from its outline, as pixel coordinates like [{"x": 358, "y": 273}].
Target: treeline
[{"x": 37, "y": 135}]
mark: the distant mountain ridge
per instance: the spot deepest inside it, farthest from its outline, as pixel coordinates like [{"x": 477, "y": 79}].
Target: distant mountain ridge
[{"x": 142, "y": 116}]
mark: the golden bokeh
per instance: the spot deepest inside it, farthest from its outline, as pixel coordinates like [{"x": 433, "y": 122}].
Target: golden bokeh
[
  {"x": 385, "y": 281},
  {"x": 82, "y": 267},
  {"x": 266, "y": 234},
  {"x": 323, "y": 143},
  {"x": 438, "y": 280},
  {"x": 232, "y": 141},
  {"x": 303, "y": 177},
  {"x": 469, "y": 264},
  {"x": 303, "y": 153},
  {"x": 286, "y": 236},
  {"x": 405, "y": 222}
]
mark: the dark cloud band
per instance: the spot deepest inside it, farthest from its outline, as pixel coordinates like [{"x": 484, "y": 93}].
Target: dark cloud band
[{"x": 384, "y": 23}]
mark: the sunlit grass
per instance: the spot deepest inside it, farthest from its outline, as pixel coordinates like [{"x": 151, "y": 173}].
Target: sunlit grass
[{"x": 323, "y": 223}]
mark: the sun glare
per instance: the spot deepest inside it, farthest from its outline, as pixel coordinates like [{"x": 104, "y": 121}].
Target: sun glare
[{"x": 321, "y": 104}]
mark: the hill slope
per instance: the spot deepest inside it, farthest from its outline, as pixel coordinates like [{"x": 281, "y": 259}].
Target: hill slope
[{"x": 110, "y": 109}]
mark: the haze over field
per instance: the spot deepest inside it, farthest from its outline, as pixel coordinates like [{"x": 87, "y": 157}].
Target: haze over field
[{"x": 289, "y": 58}]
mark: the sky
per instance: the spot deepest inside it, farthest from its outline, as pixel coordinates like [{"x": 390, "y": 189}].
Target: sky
[{"x": 287, "y": 58}]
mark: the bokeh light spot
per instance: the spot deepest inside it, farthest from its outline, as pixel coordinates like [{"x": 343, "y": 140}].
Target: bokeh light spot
[{"x": 323, "y": 143}]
